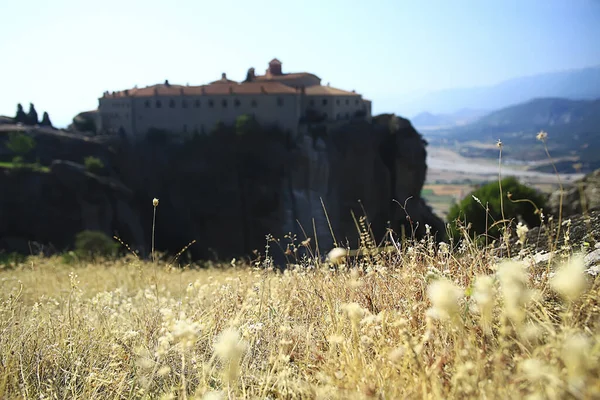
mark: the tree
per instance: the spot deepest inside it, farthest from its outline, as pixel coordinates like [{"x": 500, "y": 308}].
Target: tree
[
  {"x": 32, "y": 116},
  {"x": 92, "y": 244},
  {"x": 21, "y": 116},
  {"x": 474, "y": 213},
  {"x": 46, "y": 120},
  {"x": 94, "y": 165},
  {"x": 246, "y": 124},
  {"x": 20, "y": 144}
]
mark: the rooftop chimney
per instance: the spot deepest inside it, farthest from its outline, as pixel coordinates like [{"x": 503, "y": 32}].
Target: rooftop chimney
[
  {"x": 275, "y": 67},
  {"x": 224, "y": 76},
  {"x": 167, "y": 82}
]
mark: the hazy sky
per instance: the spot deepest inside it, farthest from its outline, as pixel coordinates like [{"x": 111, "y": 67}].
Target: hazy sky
[{"x": 62, "y": 54}]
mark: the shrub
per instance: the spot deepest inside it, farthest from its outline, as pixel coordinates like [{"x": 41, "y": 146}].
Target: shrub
[
  {"x": 20, "y": 143},
  {"x": 93, "y": 165},
  {"x": 93, "y": 244},
  {"x": 470, "y": 211}
]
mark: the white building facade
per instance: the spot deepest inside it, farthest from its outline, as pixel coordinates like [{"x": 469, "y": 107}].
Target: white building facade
[{"x": 287, "y": 101}]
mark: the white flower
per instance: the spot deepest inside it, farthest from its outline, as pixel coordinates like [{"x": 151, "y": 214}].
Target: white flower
[
  {"x": 444, "y": 296},
  {"x": 522, "y": 233},
  {"x": 569, "y": 280},
  {"x": 542, "y": 136},
  {"x": 229, "y": 346},
  {"x": 155, "y": 202},
  {"x": 354, "y": 312},
  {"x": 337, "y": 255}
]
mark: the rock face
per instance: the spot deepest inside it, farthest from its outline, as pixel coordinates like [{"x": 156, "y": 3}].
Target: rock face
[
  {"x": 582, "y": 195},
  {"x": 226, "y": 190},
  {"x": 84, "y": 122},
  {"x": 49, "y": 208}
]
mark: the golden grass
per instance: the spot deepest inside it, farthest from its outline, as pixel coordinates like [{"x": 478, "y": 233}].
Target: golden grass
[{"x": 415, "y": 323}]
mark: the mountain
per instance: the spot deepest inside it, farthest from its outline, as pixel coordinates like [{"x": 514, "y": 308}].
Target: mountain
[
  {"x": 573, "y": 128},
  {"x": 429, "y": 121},
  {"x": 579, "y": 84}
]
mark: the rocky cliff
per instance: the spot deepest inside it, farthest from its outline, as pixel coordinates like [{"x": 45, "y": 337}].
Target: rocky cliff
[{"x": 226, "y": 190}]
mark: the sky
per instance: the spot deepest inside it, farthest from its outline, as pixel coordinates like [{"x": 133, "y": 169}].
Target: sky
[{"x": 63, "y": 54}]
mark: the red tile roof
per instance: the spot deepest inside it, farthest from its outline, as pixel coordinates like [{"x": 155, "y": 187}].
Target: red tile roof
[
  {"x": 212, "y": 89},
  {"x": 327, "y": 91},
  {"x": 284, "y": 77}
]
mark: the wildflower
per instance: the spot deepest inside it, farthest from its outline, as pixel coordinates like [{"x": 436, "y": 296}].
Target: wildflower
[
  {"x": 522, "y": 233},
  {"x": 155, "y": 202},
  {"x": 354, "y": 312},
  {"x": 499, "y": 143},
  {"x": 185, "y": 331},
  {"x": 575, "y": 356},
  {"x": 483, "y": 294},
  {"x": 444, "y": 296},
  {"x": 337, "y": 255},
  {"x": 541, "y": 136},
  {"x": 569, "y": 280},
  {"x": 396, "y": 354},
  {"x": 229, "y": 347},
  {"x": 513, "y": 282}
]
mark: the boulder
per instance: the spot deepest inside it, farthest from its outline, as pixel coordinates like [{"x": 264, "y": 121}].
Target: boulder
[{"x": 582, "y": 195}]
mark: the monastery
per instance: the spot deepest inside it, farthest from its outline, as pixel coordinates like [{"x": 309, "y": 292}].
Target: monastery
[{"x": 287, "y": 100}]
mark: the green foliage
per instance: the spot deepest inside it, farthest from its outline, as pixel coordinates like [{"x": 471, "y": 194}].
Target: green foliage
[
  {"x": 94, "y": 165},
  {"x": 92, "y": 244},
  {"x": 246, "y": 124},
  {"x": 470, "y": 211},
  {"x": 11, "y": 260},
  {"x": 20, "y": 143}
]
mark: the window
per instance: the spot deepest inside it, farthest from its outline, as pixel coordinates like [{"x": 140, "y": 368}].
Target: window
[
  {"x": 172, "y": 103},
  {"x": 184, "y": 103},
  {"x": 224, "y": 103},
  {"x": 254, "y": 103},
  {"x": 280, "y": 101},
  {"x": 197, "y": 103},
  {"x": 211, "y": 103},
  {"x": 324, "y": 102},
  {"x": 237, "y": 102},
  {"x": 311, "y": 102},
  {"x": 158, "y": 104},
  {"x": 338, "y": 117},
  {"x": 337, "y": 102},
  {"x": 184, "y": 128},
  {"x": 356, "y": 102},
  {"x": 347, "y": 116},
  {"x": 347, "y": 102},
  {"x": 147, "y": 103}
]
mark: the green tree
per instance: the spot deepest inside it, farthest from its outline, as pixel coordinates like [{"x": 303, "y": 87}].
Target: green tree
[
  {"x": 246, "y": 124},
  {"x": 20, "y": 144},
  {"x": 89, "y": 245},
  {"x": 470, "y": 210},
  {"x": 94, "y": 165}
]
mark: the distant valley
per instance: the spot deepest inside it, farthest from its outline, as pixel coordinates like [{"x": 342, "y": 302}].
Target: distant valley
[{"x": 573, "y": 128}]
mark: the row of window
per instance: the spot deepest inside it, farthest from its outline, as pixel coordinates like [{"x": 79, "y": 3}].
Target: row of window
[
  {"x": 211, "y": 103},
  {"x": 337, "y": 102},
  {"x": 120, "y": 105}
]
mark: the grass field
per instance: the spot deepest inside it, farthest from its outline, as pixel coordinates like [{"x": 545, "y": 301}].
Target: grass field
[{"x": 410, "y": 323}]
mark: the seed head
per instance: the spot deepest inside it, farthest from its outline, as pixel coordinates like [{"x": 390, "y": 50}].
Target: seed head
[
  {"x": 541, "y": 136},
  {"x": 155, "y": 202},
  {"x": 444, "y": 296},
  {"x": 337, "y": 255},
  {"x": 570, "y": 281}
]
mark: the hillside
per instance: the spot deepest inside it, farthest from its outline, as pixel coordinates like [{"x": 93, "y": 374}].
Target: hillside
[
  {"x": 573, "y": 128},
  {"x": 579, "y": 84},
  {"x": 428, "y": 121}
]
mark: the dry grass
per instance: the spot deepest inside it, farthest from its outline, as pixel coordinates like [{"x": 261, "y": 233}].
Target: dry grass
[{"x": 413, "y": 323}]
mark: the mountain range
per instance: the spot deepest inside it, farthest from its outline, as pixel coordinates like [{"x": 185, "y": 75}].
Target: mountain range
[
  {"x": 573, "y": 128},
  {"x": 578, "y": 84}
]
